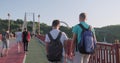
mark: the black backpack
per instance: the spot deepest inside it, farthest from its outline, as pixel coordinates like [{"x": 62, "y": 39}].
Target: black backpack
[
  {"x": 87, "y": 43},
  {"x": 55, "y": 48}
]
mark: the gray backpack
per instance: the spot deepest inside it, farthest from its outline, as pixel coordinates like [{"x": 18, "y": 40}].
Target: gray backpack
[{"x": 5, "y": 36}]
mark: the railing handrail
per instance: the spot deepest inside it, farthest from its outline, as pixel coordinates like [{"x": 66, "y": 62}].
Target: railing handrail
[{"x": 103, "y": 43}]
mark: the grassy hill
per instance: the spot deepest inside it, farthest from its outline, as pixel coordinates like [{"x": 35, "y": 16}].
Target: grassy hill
[
  {"x": 110, "y": 33},
  {"x": 107, "y": 33}
]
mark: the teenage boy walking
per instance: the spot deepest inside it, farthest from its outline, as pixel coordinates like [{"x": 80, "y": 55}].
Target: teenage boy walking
[
  {"x": 55, "y": 34},
  {"x": 77, "y": 31}
]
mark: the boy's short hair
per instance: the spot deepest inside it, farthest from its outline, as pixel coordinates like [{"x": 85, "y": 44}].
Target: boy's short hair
[
  {"x": 82, "y": 15},
  {"x": 55, "y": 23}
]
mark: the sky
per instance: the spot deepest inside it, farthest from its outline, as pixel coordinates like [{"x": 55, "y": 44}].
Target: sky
[{"x": 99, "y": 12}]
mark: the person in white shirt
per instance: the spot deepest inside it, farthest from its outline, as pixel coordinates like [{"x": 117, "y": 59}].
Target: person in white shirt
[
  {"x": 54, "y": 33},
  {"x": 18, "y": 35}
]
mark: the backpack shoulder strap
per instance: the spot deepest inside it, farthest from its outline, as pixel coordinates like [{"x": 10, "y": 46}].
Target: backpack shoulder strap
[
  {"x": 83, "y": 28},
  {"x": 59, "y": 35},
  {"x": 50, "y": 37}
]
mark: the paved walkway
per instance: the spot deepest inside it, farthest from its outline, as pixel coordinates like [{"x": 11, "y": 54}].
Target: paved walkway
[
  {"x": 36, "y": 53},
  {"x": 13, "y": 56}
]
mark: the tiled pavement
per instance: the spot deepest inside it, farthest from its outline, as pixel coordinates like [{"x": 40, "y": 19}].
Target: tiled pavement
[{"x": 13, "y": 56}]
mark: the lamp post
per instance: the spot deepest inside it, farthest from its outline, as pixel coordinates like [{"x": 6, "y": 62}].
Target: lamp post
[
  {"x": 38, "y": 24},
  {"x": 33, "y": 23},
  {"x": 8, "y": 22}
]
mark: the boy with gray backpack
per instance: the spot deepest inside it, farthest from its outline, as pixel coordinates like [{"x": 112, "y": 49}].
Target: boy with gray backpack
[
  {"x": 85, "y": 44},
  {"x": 55, "y": 42}
]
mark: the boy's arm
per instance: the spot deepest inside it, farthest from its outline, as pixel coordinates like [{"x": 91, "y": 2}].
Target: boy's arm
[
  {"x": 73, "y": 43},
  {"x": 93, "y": 30},
  {"x": 65, "y": 46},
  {"x": 46, "y": 47},
  {"x": 46, "y": 43}
]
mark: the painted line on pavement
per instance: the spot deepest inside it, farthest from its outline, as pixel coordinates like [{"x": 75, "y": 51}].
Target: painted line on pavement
[{"x": 24, "y": 58}]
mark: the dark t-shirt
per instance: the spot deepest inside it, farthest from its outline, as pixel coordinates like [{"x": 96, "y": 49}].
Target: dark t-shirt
[{"x": 25, "y": 33}]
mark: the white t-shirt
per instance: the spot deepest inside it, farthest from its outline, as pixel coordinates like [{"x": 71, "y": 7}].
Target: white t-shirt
[
  {"x": 54, "y": 34},
  {"x": 18, "y": 36}
]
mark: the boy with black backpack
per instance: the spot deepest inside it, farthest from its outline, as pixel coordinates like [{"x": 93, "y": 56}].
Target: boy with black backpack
[
  {"x": 55, "y": 42},
  {"x": 84, "y": 41}
]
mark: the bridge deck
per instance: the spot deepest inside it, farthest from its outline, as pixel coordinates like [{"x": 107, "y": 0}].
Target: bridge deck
[{"x": 13, "y": 56}]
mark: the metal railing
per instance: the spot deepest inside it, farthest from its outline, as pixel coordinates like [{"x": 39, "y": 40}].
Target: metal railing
[
  {"x": 104, "y": 53},
  {"x": 0, "y": 37}
]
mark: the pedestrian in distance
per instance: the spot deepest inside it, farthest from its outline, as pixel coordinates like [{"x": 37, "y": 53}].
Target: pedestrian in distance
[
  {"x": 18, "y": 35},
  {"x": 5, "y": 43},
  {"x": 25, "y": 38}
]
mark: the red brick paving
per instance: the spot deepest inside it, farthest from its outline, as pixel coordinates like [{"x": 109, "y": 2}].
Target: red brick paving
[{"x": 13, "y": 56}]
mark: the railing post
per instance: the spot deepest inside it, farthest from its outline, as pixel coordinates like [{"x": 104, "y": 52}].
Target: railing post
[
  {"x": 0, "y": 37},
  {"x": 117, "y": 53}
]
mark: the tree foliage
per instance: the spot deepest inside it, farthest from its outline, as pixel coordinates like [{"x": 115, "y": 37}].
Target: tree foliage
[{"x": 107, "y": 33}]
